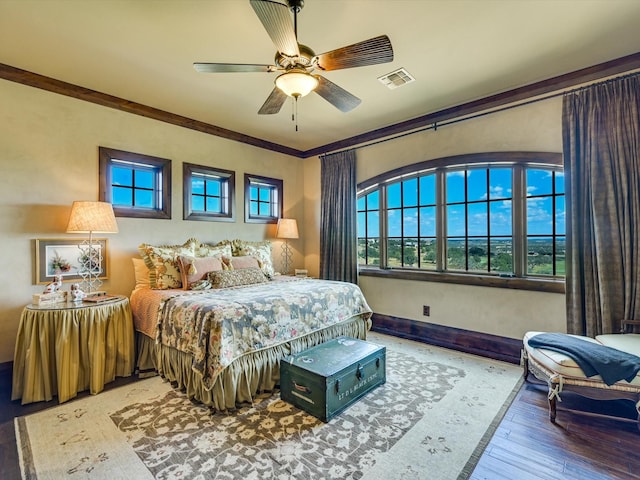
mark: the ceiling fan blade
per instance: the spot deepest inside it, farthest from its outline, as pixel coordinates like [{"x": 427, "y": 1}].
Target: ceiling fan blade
[
  {"x": 368, "y": 52},
  {"x": 232, "y": 67},
  {"x": 276, "y": 19},
  {"x": 336, "y": 96},
  {"x": 274, "y": 102}
]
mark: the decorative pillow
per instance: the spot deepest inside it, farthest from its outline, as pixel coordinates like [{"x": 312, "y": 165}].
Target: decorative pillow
[
  {"x": 235, "y": 246},
  {"x": 194, "y": 269},
  {"x": 259, "y": 250},
  {"x": 162, "y": 262},
  {"x": 141, "y": 273},
  {"x": 236, "y": 278},
  {"x": 203, "y": 284},
  {"x": 222, "y": 249},
  {"x": 243, "y": 261}
]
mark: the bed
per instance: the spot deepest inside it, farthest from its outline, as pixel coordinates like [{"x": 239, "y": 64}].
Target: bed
[{"x": 223, "y": 345}]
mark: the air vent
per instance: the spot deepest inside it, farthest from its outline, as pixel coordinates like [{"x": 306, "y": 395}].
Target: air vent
[{"x": 396, "y": 79}]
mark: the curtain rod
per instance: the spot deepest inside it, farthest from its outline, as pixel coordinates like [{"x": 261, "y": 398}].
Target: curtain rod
[{"x": 434, "y": 126}]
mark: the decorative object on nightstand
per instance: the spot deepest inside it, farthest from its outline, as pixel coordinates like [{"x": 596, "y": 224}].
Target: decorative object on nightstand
[
  {"x": 77, "y": 295},
  {"x": 287, "y": 229},
  {"x": 52, "y": 293},
  {"x": 91, "y": 217},
  {"x": 55, "y": 285}
]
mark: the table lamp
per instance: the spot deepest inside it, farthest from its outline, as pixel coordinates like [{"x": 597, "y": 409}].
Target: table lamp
[
  {"x": 91, "y": 217},
  {"x": 287, "y": 228}
]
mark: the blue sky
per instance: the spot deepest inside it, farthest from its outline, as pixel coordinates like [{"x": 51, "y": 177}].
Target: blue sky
[{"x": 539, "y": 209}]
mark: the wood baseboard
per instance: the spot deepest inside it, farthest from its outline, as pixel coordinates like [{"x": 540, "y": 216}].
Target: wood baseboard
[
  {"x": 6, "y": 367},
  {"x": 468, "y": 341}
]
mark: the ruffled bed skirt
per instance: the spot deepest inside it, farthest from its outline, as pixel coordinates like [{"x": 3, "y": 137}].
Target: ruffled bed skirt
[{"x": 246, "y": 376}]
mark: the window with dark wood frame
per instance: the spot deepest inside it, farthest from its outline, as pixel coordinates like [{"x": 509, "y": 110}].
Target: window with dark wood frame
[
  {"x": 262, "y": 199},
  {"x": 209, "y": 193},
  {"x": 136, "y": 185},
  {"x": 494, "y": 219}
]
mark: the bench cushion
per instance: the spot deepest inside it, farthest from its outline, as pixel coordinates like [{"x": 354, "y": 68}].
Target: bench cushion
[
  {"x": 629, "y": 342},
  {"x": 568, "y": 368}
]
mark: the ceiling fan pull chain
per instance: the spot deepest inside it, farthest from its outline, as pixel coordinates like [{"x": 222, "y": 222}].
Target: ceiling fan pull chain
[{"x": 296, "y": 111}]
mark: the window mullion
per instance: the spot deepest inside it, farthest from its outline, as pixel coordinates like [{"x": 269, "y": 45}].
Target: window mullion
[
  {"x": 466, "y": 220},
  {"x": 401, "y": 224},
  {"x": 383, "y": 225},
  {"x": 519, "y": 216},
  {"x": 553, "y": 223},
  {"x": 418, "y": 236},
  {"x": 441, "y": 220},
  {"x": 489, "y": 243}
]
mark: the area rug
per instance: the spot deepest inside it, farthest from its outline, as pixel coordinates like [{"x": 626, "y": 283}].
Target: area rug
[{"x": 431, "y": 419}]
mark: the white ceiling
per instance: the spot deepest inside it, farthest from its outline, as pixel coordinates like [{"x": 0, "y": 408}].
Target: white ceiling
[{"x": 458, "y": 51}]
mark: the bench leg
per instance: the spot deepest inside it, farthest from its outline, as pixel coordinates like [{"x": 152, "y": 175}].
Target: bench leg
[
  {"x": 552, "y": 408},
  {"x": 525, "y": 364}
]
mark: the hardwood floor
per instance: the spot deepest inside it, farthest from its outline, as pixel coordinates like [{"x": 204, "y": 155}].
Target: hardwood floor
[
  {"x": 526, "y": 445},
  {"x": 581, "y": 445}
]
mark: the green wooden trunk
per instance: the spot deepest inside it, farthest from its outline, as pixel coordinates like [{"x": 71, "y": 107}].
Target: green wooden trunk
[{"x": 327, "y": 378}]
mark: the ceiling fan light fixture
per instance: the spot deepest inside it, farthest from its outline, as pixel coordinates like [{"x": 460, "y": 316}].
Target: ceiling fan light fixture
[{"x": 296, "y": 83}]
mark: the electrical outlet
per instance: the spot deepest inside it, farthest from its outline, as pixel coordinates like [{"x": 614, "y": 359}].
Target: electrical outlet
[{"x": 426, "y": 310}]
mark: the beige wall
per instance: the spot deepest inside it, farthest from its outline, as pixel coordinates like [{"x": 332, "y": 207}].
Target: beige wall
[
  {"x": 510, "y": 313},
  {"x": 49, "y": 158}
]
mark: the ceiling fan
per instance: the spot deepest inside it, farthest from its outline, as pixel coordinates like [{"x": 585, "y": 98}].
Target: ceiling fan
[{"x": 297, "y": 61}]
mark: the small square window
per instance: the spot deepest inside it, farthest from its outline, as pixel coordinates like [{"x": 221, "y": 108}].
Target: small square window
[
  {"x": 208, "y": 193},
  {"x": 262, "y": 199},
  {"x": 136, "y": 185}
]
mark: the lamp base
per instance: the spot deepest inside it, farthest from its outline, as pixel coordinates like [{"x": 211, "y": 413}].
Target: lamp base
[
  {"x": 90, "y": 261},
  {"x": 287, "y": 258}
]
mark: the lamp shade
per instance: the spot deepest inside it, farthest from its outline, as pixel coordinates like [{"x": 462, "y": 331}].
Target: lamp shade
[
  {"x": 296, "y": 83},
  {"x": 92, "y": 217},
  {"x": 287, "y": 228}
]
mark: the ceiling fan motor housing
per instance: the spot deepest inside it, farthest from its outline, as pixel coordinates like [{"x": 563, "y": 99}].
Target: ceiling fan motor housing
[{"x": 304, "y": 60}]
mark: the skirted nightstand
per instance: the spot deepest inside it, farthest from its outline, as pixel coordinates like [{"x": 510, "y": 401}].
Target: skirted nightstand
[{"x": 66, "y": 348}]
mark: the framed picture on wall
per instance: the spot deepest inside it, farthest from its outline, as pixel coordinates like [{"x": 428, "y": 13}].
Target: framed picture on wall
[{"x": 63, "y": 256}]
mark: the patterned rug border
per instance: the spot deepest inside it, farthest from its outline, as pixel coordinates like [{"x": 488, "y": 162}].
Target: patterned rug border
[
  {"x": 25, "y": 455},
  {"x": 471, "y": 464}
]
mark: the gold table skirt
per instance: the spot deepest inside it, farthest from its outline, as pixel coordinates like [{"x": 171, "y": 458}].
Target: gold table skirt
[{"x": 66, "y": 350}]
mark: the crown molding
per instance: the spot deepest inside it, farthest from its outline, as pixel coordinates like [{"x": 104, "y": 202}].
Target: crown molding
[
  {"x": 544, "y": 87},
  {"x": 36, "y": 80}
]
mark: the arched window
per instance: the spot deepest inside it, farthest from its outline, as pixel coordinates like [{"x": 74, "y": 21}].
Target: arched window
[{"x": 491, "y": 214}]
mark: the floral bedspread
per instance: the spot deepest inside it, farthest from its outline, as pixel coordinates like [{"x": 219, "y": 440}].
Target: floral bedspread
[{"x": 218, "y": 326}]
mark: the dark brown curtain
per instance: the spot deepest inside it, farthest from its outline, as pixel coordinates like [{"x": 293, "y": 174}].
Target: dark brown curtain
[
  {"x": 338, "y": 241},
  {"x": 601, "y": 128}
]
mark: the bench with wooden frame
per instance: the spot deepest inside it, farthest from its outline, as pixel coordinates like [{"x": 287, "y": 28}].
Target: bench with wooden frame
[{"x": 562, "y": 374}]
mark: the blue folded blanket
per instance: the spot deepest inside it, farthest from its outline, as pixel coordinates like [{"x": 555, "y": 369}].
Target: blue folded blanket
[{"x": 593, "y": 358}]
